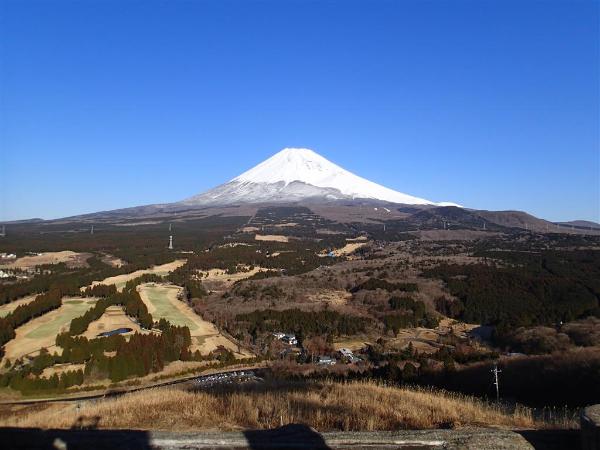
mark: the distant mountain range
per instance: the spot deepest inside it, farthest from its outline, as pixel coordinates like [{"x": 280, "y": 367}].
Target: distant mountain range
[{"x": 300, "y": 176}]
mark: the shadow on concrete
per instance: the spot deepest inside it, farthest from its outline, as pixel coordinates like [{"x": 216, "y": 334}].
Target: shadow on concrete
[
  {"x": 552, "y": 439},
  {"x": 75, "y": 439},
  {"x": 293, "y": 436}
]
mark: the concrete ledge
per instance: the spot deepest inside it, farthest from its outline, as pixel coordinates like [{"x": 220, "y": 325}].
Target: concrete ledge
[
  {"x": 289, "y": 437},
  {"x": 590, "y": 428}
]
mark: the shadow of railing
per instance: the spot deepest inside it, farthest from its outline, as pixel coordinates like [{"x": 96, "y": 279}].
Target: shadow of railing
[
  {"x": 292, "y": 436},
  {"x": 74, "y": 439}
]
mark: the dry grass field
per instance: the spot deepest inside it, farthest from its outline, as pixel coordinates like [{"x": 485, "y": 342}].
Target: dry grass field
[
  {"x": 61, "y": 368},
  {"x": 112, "y": 260},
  {"x": 121, "y": 280},
  {"x": 41, "y": 332},
  {"x": 330, "y": 297},
  {"x": 10, "y": 307},
  {"x": 271, "y": 237},
  {"x": 229, "y": 278},
  {"x": 162, "y": 302},
  {"x": 425, "y": 340},
  {"x": 354, "y": 406},
  {"x": 114, "y": 317},
  {"x": 348, "y": 248},
  {"x": 249, "y": 229},
  {"x": 72, "y": 259}
]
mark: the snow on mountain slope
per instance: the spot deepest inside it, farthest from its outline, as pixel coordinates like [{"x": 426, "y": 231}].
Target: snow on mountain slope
[{"x": 298, "y": 173}]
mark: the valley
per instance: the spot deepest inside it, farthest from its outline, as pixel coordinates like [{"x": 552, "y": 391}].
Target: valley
[
  {"x": 416, "y": 302},
  {"x": 391, "y": 296}
]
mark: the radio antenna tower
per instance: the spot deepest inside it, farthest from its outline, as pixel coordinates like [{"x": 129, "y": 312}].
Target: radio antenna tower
[
  {"x": 496, "y": 371},
  {"x": 170, "y": 242}
]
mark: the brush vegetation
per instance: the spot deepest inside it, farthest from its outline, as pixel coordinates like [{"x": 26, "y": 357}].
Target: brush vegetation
[{"x": 328, "y": 405}]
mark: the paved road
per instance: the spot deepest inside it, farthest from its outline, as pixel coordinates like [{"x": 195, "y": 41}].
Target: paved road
[{"x": 117, "y": 392}]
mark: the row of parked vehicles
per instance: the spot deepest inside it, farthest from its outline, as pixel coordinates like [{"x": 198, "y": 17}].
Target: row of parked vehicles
[{"x": 239, "y": 376}]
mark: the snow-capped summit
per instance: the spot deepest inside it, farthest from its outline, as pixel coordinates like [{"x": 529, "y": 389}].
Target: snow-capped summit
[{"x": 295, "y": 174}]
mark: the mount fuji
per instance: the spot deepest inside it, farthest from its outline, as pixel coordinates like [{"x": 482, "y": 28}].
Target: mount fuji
[
  {"x": 296, "y": 174},
  {"x": 302, "y": 177}
]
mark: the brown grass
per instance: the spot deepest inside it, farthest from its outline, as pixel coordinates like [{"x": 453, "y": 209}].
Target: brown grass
[
  {"x": 120, "y": 280},
  {"x": 325, "y": 406},
  {"x": 113, "y": 317},
  {"x": 72, "y": 259},
  {"x": 271, "y": 237}
]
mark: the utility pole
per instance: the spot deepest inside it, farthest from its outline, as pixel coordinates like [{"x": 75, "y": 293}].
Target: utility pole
[{"x": 495, "y": 371}]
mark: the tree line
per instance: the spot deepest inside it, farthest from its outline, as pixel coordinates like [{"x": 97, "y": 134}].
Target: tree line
[
  {"x": 377, "y": 283},
  {"x": 42, "y": 304},
  {"x": 309, "y": 323},
  {"x": 518, "y": 296}
]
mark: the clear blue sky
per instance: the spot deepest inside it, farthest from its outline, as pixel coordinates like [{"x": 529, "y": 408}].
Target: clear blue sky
[{"x": 108, "y": 104}]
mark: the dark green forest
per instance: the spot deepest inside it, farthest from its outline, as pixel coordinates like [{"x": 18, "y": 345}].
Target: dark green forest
[{"x": 526, "y": 289}]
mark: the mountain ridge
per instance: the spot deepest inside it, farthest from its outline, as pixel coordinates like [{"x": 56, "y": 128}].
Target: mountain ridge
[{"x": 294, "y": 174}]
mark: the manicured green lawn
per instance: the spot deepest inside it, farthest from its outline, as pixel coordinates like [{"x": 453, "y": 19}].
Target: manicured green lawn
[
  {"x": 68, "y": 311},
  {"x": 159, "y": 297}
]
